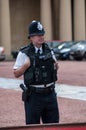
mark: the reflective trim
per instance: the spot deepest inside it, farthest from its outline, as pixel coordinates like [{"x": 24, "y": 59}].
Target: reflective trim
[{"x": 43, "y": 86}]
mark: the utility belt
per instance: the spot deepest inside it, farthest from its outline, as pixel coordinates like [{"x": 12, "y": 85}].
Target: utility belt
[
  {"x": 43, "y": 89},
  {"x": 40, "y": 89}
]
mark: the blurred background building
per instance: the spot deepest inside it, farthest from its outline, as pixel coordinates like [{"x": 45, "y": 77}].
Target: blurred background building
[{"x": 62, "y": 19}]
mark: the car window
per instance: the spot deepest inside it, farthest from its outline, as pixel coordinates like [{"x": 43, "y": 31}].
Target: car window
[{"x": 53, "y": 44}]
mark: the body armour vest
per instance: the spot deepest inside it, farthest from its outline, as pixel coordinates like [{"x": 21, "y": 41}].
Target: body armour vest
[{"x": 42, "y": 69}]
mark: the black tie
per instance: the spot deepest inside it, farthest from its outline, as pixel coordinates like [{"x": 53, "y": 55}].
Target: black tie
[{"x": 38, "y": 52}]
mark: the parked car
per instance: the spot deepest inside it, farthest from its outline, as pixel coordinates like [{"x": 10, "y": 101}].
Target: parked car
[
  {"x": 2, "y": 53},
  {"x": 53, "y": 45},
  {"x": 14, "y": 54},
  {"x": 78, "y": 51},
  {"x": 63, "y": 50}
]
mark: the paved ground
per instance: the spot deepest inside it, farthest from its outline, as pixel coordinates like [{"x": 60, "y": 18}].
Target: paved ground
[{"x": 71, "y": 109}]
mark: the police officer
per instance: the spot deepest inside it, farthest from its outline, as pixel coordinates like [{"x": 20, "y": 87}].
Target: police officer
[{"x": 38, "y": 65}]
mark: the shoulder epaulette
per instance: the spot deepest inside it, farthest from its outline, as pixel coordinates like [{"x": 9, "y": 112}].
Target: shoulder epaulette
[{"x": 24, "y": 47}]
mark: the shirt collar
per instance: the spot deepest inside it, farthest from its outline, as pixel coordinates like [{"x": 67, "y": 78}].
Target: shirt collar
[{"x": 36, "y": 49}]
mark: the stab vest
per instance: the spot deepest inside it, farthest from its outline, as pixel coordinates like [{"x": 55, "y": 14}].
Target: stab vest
[{"x": 42, "y": 69}]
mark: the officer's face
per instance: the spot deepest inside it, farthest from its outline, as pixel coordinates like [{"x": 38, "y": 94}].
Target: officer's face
[{"x": 37, "y": 40}]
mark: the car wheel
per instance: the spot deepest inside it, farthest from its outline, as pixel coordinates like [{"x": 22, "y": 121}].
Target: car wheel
[
  {"x": 2, "y": 59},
  {"x": 71, "y": 57},
  {"x": 85, "y": 55},
  {"x": 78, "y": 58}
]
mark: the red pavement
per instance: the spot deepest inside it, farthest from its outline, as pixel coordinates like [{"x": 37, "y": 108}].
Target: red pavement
[{"x": 11, "y": 106}]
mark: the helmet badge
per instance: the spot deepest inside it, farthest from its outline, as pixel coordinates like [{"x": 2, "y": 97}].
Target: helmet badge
[{"x": 39, "y": 26}]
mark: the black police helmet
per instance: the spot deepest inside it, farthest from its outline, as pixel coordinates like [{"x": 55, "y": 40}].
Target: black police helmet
[{"x": 35, "y": 28}]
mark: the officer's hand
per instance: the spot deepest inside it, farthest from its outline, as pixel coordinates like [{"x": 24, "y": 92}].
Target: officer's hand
[{"x": 57, "y": 66}]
